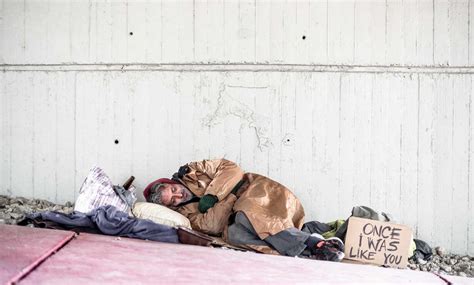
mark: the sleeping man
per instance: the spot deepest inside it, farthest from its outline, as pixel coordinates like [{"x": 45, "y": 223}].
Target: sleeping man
[{"x": 248, "y": 210}]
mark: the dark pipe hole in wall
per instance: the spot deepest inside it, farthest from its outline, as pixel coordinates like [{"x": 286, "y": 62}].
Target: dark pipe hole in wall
[
  {"x": 116, "y": 141},
  {"x": 304, "y": 37},
  {"x": 131, "y": 33}
]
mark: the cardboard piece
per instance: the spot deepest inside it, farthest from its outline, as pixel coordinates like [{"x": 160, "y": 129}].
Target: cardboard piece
[{"x": 377, "y": 242}]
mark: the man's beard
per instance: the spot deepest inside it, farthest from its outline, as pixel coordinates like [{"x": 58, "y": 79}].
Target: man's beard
[{"x": 189, "y": 195}]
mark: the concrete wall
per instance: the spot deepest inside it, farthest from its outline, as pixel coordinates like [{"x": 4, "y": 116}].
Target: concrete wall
[{"x": 345, "y": 102}]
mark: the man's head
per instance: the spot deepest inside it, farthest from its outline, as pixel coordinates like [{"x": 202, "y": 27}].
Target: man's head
[{"x": 167, "y": 193}]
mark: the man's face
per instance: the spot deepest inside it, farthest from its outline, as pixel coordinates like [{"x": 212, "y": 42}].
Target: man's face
[{"x": 174, "y": 194}]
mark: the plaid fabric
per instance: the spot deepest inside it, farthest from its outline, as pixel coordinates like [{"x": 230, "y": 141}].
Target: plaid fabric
[{"x": 97, "y": 190}]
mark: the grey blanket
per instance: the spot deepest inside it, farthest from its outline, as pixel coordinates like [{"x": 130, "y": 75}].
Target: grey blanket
[{"x": 110, "y": 221}]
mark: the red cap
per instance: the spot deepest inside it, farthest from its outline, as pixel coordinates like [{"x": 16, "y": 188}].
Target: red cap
[{"x": 146, "y": 192}]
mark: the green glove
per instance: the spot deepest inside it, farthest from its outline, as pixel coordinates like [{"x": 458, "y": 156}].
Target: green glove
[{"x": 207, "y": 201}]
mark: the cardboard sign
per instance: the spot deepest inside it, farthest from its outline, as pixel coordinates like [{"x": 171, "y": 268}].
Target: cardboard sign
[{"x": 377, "y": 242}]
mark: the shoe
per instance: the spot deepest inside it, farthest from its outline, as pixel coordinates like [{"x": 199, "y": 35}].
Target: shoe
[
  {"x": 336, "y": 242},
  {"x": 331, "y": 249}
]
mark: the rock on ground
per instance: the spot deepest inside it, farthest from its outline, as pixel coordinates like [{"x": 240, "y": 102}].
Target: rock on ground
[
  {"x": 446, "y": 263},
  {"x": 14, "y": 209}
]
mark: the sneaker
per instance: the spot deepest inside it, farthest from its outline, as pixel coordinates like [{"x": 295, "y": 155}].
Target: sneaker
[
  {"x": 336, "y": 242},
  {"x": 331, "y": 249}
]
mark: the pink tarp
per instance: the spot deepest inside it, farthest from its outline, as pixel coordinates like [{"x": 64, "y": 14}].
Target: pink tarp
[
  {"x": 109, "y": 260},
  {"x": 39, "y": 256},
  {"x": 23, "y": 248}
]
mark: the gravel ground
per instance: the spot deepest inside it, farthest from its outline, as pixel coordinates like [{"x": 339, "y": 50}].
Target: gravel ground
[{"x": 13, "y": 209}]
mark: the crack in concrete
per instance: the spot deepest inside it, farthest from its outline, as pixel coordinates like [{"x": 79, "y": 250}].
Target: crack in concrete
[
  {"x": 237, "y": 67},
  {"x": 30, "y": 268},
  {"x": 442, "y": 278},
  {"x": 227, "y": 105}
]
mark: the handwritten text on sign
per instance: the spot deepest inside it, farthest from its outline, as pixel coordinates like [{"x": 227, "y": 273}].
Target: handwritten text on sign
[{"x": 377, "y": 242}]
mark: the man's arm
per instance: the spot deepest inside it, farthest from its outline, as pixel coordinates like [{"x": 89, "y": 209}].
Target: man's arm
[
  {"x": 225, "y": 175},
  {"x": 214, "y": 220}
]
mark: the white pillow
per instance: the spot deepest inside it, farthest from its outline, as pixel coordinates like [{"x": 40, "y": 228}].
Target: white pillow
[{"x": 160, "y": 214}]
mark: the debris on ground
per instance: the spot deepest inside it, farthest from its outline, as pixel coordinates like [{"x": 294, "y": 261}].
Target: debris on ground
[
  {"x": 14, "y": 209},
  {"x": 443, "y": 262}
]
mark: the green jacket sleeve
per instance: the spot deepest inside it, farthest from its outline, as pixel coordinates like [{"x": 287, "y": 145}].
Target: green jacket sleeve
[{"x": 214, "y": 220}]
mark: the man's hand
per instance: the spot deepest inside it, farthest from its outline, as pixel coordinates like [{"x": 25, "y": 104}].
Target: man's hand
[
  {"x": 207, "y": 201},
  {"x": 183, "y": 170}
]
